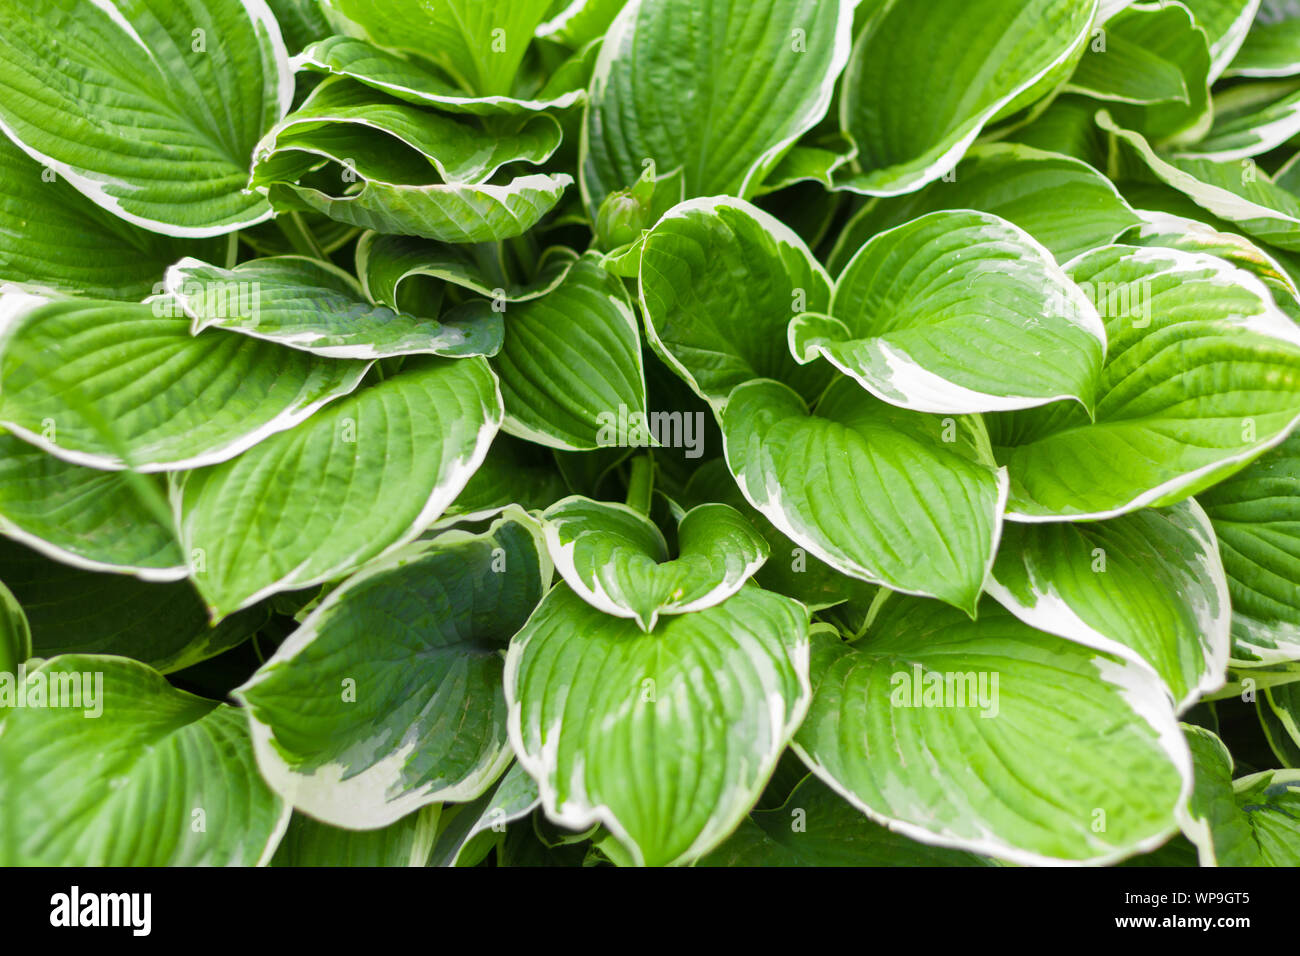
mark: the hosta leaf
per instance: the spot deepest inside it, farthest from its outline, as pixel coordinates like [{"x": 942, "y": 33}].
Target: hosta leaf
[
  {"x": 133, "y": 109},
  {"x": 1279, "y": 710},
  {"x": 578, "y": 22},
  {"x": 1249, "y": 120},
  {"x": 477, "y": 826},
  {"x": 413, "y": 82},
  {"x": 479, "y": 43},
  {"x": 1256, "y": 515},
  {"x": 1272, "y": 47},
  {"x": 958, "y": 312},
  {"x": 910, "y": 122},
  {"x": 97, "y": 520},
  {"x": 79, "y": 248},
  {"x": 164, "y": 625},
  {"x": 991, "y": 737},
  {"x": 116, "y": 384},
  {"x": 818, "y": 827},
  {"x": 1225, "y": 23},
  {"x": 880, "y": 493},
  {"x": 1177, "y": 232},
  {"x": 752, "y": 76},
  {"x": 720, "y": 281},
  {"x": 341, "y": 116},
  {"x": 408, "y": 842},
  {"x": 310, "y": 305},
  {"x": 1122, "y": 66},
  {"x": 391, "y": 268},
  {"x": 1148, "y": 587},
  {"x": 301, "y": 22},
  {"x": 359, "y": 478},
  {"x": 619, "y": 727},
  {"x": 1022, "y": 185},
  {"x": 1155, "y": 64},
  {"x": 388, "y": 698},
  {"x": 1202, "y": 374},
  {"x": 446, "y": 212},
  {"x": 15, "y": 633},
  {"x": 1237, "y": 193},
  {"x": 1250, "y": 821},
  {"x": 617, "y": 560},
  {"x": 158, "y": 777},
  {"x": 570, "y": 367}
]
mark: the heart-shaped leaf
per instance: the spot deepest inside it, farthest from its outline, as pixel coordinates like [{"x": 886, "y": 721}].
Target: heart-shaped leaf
[
  {"x": 618, "y": 726},
  {"x": 617, "y": 560}
]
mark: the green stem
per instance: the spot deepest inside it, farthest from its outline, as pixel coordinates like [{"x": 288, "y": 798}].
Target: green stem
[
  {"x": 641, "y": 483},
  {"x": 299, "y": 236}
]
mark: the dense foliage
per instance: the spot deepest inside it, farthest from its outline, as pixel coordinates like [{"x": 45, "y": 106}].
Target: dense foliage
[{"x": 719, "y": 432}]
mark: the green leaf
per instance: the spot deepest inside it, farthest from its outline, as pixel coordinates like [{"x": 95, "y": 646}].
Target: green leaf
[
  {"x": 392, "y": 267},
  {"x": 476, "y": 827},
  {"x": 72, "y": 611},
  {"x": 1272, "y": 47},
  {"x": 958, "y": 312},
  {"x": 388, "y": 698},
  {"x": 994, "y": 738},
  {"x": 408, "y": 842},
  {"x": 617, "y": 560},
  {"x": 910, "y": 121},
  {"x": 665, "y": 738},
  {"x": 1178, "y": 232},
  {"x": 79, "y": 249},
  {"x": 97, "y": 520},
  {"x": 720, "y": 280},
  {"x": 1249, "y": 120},
  {"x": 1237, "y": 193},
  {"x": 722, "y": 95},
  {"x": 15, "y": 633},
  {"x": 1022, "y": 185},
  {"x": 157, "y": 777},
  {"x": 571, "y": 365},
  {"x": 316, "y": 307},
  {"x": 1147, "y": 587},
  {"x": 133, "y": 109},
  {"x": 1279, "y": 711},
  {"x": 1202, "y": 374},
  {"x": 880, "y": 493},
  {"x": 358, "y": 479},
  {"x": 1225, "y": 23},
  {"x": 578, "y": 22},
  {"x": 1256, "y": 516},
  {"x": 116, "y": 384},
  {"x": 480, "y": 43},
  {"x": 818, "y": 827},
  {"x": 1250, "y": 821},
  {"x": 412, "y": 82},
  {"x": 367, "y": 127},
  {"x": 446, "y": 212}
]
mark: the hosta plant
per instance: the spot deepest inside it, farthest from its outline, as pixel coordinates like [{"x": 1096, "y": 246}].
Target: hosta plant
[{"x": 743, "y": 433}]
